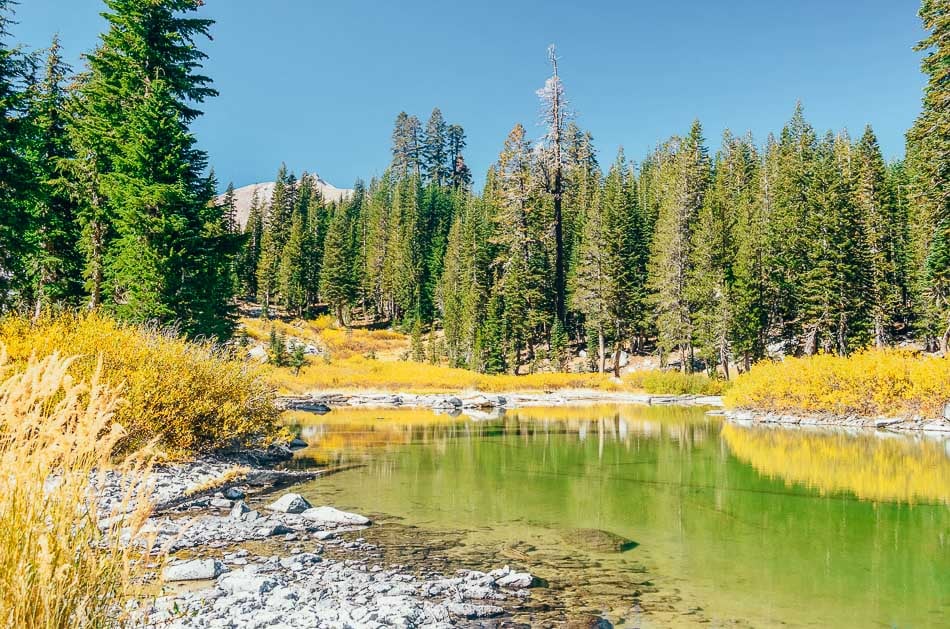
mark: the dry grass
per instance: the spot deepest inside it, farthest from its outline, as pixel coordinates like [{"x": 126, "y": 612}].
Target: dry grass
[
  {"x": 57, "y": 568},
  {"x": 191, "y": 396},
  {"x": 871, "y": 383}
]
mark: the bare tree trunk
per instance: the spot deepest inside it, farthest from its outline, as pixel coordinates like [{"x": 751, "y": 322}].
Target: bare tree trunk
[
  {"x": 617, "y": 347},
  {"x": 601, "y": 347}
]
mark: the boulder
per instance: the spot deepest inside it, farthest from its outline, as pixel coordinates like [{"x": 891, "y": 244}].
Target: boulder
[
  {"x": 445, "y": 402},
  {"x": 289, "y": 503},
  {"x": 243, "y": 581},
  {"x": 270, "y": 531},
  {"x": 221, "y": 503},
  {"x": 194, "y": 570},
  {"x": 239, "y": 509},
  {"x": 470, "y": 611},
  {"x": 516, "y": 581},
  {"x": 233, "y": 493},
  {"x": 598, "y": 540},
  {"x": 258, "y": 353},
  {"x": 329, "y": 515}
]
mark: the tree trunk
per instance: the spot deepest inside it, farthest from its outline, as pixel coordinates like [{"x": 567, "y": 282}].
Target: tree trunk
[
  {"x": 617, "y": 347},
  {"x": 601, "y": 347}
]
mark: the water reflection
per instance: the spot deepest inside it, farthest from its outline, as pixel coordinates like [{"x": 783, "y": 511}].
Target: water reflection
[
  {"x": 872, "y": 466},
  {"x": 748, "y": 522}
]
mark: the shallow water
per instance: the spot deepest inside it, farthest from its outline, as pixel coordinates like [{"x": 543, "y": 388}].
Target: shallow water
[{"x": 733, "y": 525}]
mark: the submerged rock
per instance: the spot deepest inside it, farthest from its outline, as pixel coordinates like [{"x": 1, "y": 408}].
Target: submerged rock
[
  {"x": 329, "y": 515},
  {"x": 598, "y": 540}
]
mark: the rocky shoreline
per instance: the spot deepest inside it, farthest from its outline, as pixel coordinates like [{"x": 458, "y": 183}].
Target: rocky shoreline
[
  {"x": 830, "y": 420},
  {"x": 323, "y": 402},
  {"x": 238, "y": 557}
]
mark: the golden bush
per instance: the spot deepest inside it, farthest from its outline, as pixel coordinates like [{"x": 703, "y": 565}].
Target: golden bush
[
  {"x": 873, "y": 382},
  {"x": 675, "y": 383},
  {"x": 189, "y": 395}
]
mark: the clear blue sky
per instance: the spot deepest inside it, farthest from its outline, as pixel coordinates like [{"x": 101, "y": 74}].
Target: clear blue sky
[{"x": 318, "y": 83}]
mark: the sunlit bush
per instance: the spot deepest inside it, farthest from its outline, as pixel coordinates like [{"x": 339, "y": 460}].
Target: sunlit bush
[
  {"x": 871, "y": 382},
  {"x": 57, "y": 437},
  {"x": 675, "y": 383},
  {"x": 191, "y": 396},
  {"x": 358, "y": 372}
]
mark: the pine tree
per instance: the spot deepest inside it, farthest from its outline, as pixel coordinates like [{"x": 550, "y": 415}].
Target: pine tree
[
  {"x": 749, "y": 192},
  {"x": 791, "y": 182},
  {"x": 435, "y": 158},
  {"x": 460, "y": 175},
  {"x": 830, "y": 284},
  {"x": 881, "y": 237},
  {"x": 682, "y": 179},
  {"x": 592, "y": 280},
  {"x": 928, "y": 161},
  {"x": 17, "y": 178},
  {"x": 626, "y": 254},
  {"x": 552, "y": 167},
  {"x": 406, "y": 146},
  {"x": 55, "y": 262},
  {"x": 156, "y": 245},
  {"x": 229, "y": 204},
  {"x": 713, "y": 254},
  {"x": 276, "y": 231},
  {"x": 251, "y": 253},
  {"x": 337, "y": 282}
]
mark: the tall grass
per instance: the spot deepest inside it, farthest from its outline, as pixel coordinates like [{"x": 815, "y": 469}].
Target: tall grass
[
  {"x": 57, "y": 567},
  {"x": 871, "y": 383},
  {"x": 675, "y": 383},
  {"x": 191, "y": 396}
]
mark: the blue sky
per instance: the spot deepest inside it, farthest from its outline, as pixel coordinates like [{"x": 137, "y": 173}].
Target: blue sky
[{"x": 318, "y": 83}]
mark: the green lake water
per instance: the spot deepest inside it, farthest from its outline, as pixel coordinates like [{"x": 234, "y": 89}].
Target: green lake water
[{"x": 734, "y": 525}]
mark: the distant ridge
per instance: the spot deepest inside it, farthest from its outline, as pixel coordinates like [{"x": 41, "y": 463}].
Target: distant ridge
[{"x": 244, "y": 196}]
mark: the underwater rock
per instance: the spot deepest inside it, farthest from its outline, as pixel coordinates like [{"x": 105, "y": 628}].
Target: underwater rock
[{"x": 598, "y": 540}]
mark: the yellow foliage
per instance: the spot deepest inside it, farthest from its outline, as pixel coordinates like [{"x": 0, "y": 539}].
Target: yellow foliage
[
  {"x": 324, "y": 333},
  {"x": 57, "y": 567},
  {"x": 189, "y": 395},
  {"x": 872, "y": 382},
  {"x": 675, "y": 382},
  {"x": 869, "y": 467},
  {"x": 358, "y": 372},
  {"x": 230, "y": 475}
]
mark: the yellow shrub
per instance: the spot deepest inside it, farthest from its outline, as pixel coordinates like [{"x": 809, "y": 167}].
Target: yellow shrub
[
  {"x": 675, "y": 383},
  {"x": 872, "y": 382},
  {"x": 323, "y": 333},
  {"x": 57, "y": 567},
  {"x": 189, "y": 395},
  {"x": 357, "y": 372}
]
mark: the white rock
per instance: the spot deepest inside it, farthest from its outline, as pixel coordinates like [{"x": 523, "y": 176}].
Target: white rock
[
  {"x": 233, "y": 493},
  {"x": 290, "y": 503},
  {"x": 194, "y": 570},
  {"x": 516, "y": 580},
  {"x": 243, "y": 581},
  {"x": 329, "y": 515},
  {"x": 239, "y": 509},
  {"x": 221, "y": 503}
]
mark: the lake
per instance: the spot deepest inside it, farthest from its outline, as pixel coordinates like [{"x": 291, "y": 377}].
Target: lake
[{"x": 659, "y": 516}]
